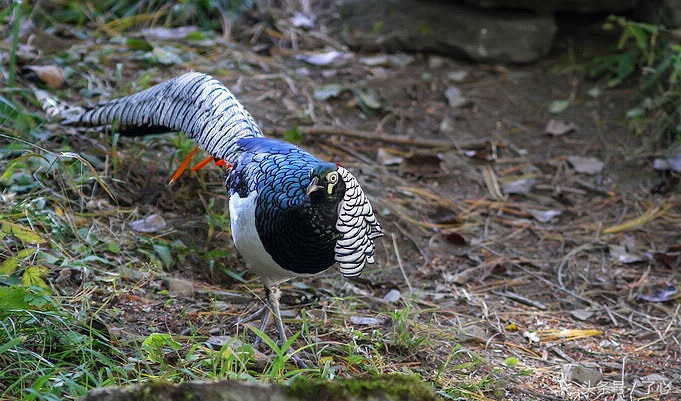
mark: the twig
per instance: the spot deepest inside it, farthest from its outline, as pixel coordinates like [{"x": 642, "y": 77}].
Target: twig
[
  {"x": 399, "y": 263},
  {"x": 592, "y": 188},
  {"x": 647, "y": 216},
  {"x": 664, "y": 334},
  {"x": 519, "y": 298},
  {"x": 492, "y": 183},
  {"x": 372, "y": 136}
]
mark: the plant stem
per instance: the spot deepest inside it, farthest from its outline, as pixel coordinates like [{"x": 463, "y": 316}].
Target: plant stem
[{"x": 16, "y": 17}]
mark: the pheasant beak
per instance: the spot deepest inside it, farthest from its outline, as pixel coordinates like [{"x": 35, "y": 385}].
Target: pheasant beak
[{"x": 314, "y": 186}]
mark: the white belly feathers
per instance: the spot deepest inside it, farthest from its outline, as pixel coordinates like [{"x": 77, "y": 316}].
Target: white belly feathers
[{"x": 247, "y": 241}]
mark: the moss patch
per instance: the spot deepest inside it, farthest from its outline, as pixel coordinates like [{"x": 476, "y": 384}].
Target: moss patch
[{"x": 384, "y": 387}]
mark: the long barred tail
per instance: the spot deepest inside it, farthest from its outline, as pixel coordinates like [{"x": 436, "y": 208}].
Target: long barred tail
[{"x": 194, "y": 103}]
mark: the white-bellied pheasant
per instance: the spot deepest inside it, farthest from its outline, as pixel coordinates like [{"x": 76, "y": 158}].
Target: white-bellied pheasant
[{"x": 291, "y": 214}]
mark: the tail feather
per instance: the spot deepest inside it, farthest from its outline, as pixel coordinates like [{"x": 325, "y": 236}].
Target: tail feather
[{"x": 194, "y": 103}]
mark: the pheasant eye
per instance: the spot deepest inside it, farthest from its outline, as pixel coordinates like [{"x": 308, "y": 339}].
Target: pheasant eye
[{"x": 332, "y": 177}]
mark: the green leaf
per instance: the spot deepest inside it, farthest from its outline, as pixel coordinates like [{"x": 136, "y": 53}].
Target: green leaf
[
  {"x": 33, "y": 276},
  {"x": 594, "y": 92},
  {"x": 196, "y": 36},
  {"x": 25, "y": 234},
  {"x": 37, "y": 300},
  {"x": 164, "y": 55},
  {"x": 11, "y": 264},
  {"x": 368, "y": 101},
  {"x": 164, "y": 254},
  {"x": 325, "y": 92},
  {"x": 293, "y": 135},
  {"x": 12, "y": 297},
  {"x": 510, "y": 362},
  {"x": 559, "y": 106},
  {"x": 138, "y": 44},
  {"x": 113, "y": 247},
  {"x": 24, "y": 298},
  {"x": 11, "y": 343},
  {"x": 158, "y": 344}
]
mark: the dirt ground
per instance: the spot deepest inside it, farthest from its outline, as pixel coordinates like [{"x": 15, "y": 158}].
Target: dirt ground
[{"x": 541, "y": 270}]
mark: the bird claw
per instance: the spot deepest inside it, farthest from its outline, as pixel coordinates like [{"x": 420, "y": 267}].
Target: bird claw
[
  {"x": 300, "y": 363},
  {"x": 271, "y": 309}
]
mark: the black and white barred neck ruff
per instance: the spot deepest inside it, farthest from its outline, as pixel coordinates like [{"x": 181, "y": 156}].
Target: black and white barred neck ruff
[{"x": 358, "y": 226}]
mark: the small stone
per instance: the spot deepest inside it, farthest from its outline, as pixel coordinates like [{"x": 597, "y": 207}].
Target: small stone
[
  {"x": 216, "y": 342},
  {"x": 447, "y": 126},
  {"x": 586, "y": 165},
  {"x": 521, "y": 186},
  {"x": 454, "y": 97},
  {"x": 532, "y": 337},
  {"x": 437, "y": 62},
  {"x": 366, "y": 321},
  {"x": 544, "y": 216},
  {"x": 473, "y": 333},
  {"x": 672, "y": 163},
  {"x": 581, "y": 314},
  {"x": 392, "y": 296},
  {"x": 579, "y": 374},
  {"x": 559, "y": 127},
  {"x": 457, "y": 76},
  {"x": 180, "y": 288},
  {"x": 388, "y": 159}
]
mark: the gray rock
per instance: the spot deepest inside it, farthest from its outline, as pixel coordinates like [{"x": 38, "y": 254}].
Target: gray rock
[
  {"x": 392, "y": 387},
  {"x": 454, "y": 97},
  {"x": 666, "y": 12},
  {"x": 551, "y": 6},
  {"x": 580, "y": 374},
  {"x": 180, "y": 288},
  {"x": 586, "y": 165},
  {"x": 510, "y": 36}
]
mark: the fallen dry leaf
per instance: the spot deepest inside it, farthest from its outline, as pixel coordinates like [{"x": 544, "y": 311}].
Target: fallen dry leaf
[
  {"x": 670, "y": 259},
  {"x": 443, "y": 215},
  {"x": 50, "y": 75},
  {"x": 544, "y": 216},
  {"x": 559, "y": 127},
  {"x": 162, "y": 33},
  {"x": 366, "y": 320},
  {"x": 521, "y": 186},
  {"x": 586, "y": 165},
  {"x": 455, "y": 239},
  {"x": 486, "y": 151},
  {"x": 388, "y": 158},
  {"x": 421, "y": 163},
  {"x": 672, "y": 162},
  {"x": 659, "y": 293},
  {"x": 150, "y": 224},
  {"x": 333, "y": 57},
  {"x": 455, "y": 98},
  {"x": 622, "y": 254}
]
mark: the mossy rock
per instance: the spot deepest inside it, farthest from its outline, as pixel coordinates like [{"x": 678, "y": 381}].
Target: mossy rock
[{"x": 376, "y": 388}]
